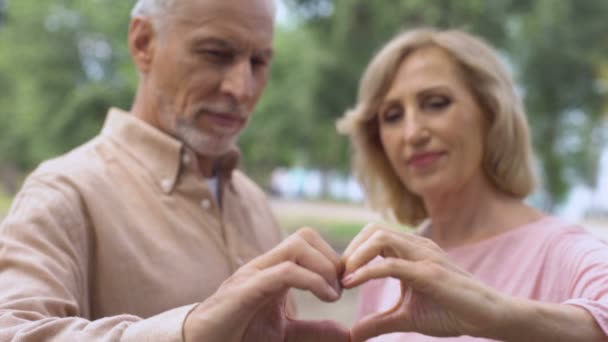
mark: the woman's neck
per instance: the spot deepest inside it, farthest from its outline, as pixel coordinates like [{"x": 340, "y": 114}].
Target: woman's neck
[{"x": 476, "y": 212}]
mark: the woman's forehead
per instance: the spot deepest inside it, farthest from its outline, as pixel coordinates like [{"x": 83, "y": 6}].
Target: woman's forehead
[{"x": 428, "y": 67}]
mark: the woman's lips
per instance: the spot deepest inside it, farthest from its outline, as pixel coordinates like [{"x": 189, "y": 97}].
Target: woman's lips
[{"x": 424, "y": 160}]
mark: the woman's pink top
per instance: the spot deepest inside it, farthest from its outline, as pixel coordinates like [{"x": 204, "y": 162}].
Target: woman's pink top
[{"x": 548, "y": 260}]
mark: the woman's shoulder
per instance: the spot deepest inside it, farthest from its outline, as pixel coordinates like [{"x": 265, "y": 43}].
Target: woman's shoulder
[
  {"x": 555, "y": 226},
  {"x": 547, "y": 228},
  {"x": 572, "y": 243},
  {"x": 562, "y": 230},
  {"x": 563, "y": 235},
  {"x": 548, "y": 236}
]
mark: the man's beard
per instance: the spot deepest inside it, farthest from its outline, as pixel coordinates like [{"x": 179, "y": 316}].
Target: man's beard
[
  {"x": 186, "y": 130},
  {"x": 202, "y": 143}
]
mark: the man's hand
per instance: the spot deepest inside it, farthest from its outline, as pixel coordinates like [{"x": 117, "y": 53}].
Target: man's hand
[{"x": 250, "y": 305}]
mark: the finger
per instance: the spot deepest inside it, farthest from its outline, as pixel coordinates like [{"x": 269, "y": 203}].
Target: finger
[
  {"x": 275, "y": 256},
  {"x": 393, "y": 243},
  {"x": 405, "y": 270},
  {"x": 316, "y": 241},
  {"x": 453, "y": 290},
  {"x": 385, "y": 243},
  {"x": 297, "y": 250},
  {"x": 311, "y": 258},
  {"x": 379, "y": 324},
  {"x": 273, "y": 280},
  {"x": 363, "y": 235},
  {"x": 414, "y": 247},
  {"x": 424, "y": 242},
  {"x": 316, "y": 331}
]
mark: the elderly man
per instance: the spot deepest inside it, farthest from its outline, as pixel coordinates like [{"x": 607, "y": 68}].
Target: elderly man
[{"x": 148, "y": 232}]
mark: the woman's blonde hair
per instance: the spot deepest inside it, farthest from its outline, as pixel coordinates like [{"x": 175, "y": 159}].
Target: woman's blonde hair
[{"x": 507, "y": 159}]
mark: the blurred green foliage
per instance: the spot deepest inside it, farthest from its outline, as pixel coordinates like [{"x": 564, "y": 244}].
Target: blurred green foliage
[
  {"x": 64, "y": 62},
  {"x": 5, "y": 203},
  {"x": 555, "y": 48},
  {"x": 338, "y": 232}
]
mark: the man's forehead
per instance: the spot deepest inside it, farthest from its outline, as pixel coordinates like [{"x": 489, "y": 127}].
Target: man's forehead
[{"x": 227, "y": 20}]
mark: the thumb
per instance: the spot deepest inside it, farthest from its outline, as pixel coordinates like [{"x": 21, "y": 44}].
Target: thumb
[
  {"x": 316, "y": 331},
  {"x": 378, "y": 324}
]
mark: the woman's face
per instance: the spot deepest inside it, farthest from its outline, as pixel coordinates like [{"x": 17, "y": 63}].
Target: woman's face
[{"x": 431, "y": 126}]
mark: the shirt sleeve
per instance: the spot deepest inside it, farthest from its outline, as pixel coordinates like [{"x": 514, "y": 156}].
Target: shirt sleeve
[
  {"x": 44, "y": 274},
  {"x": 587, "y": 269}
]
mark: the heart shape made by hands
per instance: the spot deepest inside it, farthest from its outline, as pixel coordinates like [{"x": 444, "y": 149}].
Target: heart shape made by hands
[{"x": 346, "y": 310}]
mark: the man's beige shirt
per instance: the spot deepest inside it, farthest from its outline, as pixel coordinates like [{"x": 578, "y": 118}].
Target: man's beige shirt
[{"x": 120, "y": 238}]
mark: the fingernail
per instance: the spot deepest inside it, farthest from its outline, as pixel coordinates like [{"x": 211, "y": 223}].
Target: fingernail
[
  {"x": 348, "y": 278},
  {"x": 337, "y": 286},
  {"x": 332, "y": 292}
]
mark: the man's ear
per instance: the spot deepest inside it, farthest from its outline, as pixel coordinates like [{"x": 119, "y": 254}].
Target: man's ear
[{"x": 142, "y": 43}]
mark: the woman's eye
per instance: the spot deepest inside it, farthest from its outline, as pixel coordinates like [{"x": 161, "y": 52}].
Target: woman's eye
[
  {"x": 392, "y": 115},
  {"x": 436, "y": 103}
]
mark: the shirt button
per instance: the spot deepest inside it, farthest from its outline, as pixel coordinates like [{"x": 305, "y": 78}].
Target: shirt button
[
  {"x": 166, "y": 184},
  {"x": 206, "y": 204}
]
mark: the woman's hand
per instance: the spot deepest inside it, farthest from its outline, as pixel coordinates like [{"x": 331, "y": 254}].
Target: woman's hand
[{"x": 437, "y": 298}]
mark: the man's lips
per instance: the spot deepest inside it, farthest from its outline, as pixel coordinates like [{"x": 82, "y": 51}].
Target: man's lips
[
  {"x": 424, "y": 159},
  {"x": 227, "y": 120}
]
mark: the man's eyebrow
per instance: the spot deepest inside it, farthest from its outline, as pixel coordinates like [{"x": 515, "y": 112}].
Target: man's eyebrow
[
  {"x": 267, "y": 53},
  {"x": 217, "y": 42},
  {"x": 221, "y": 43}
]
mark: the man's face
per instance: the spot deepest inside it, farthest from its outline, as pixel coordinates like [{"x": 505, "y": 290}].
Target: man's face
[{"x": 209, "y": 68}]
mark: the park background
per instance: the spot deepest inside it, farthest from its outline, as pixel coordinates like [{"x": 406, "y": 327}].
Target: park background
[{"x": 63, "y": 63}]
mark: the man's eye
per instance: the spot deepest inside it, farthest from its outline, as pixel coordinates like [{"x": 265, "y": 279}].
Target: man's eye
[
  {"x": 259, "y": 62},
  {"x": 217, "y": 55}
]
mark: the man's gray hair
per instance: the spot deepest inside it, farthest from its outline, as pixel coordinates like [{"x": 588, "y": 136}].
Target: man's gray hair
[{"x": 146, "y": 8}]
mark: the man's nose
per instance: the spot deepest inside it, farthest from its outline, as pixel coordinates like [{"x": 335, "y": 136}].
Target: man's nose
[{"x": 238, "y": 81}]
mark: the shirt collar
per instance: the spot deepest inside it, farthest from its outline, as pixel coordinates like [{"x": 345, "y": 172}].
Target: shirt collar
[{"x": 161, "y": 154}]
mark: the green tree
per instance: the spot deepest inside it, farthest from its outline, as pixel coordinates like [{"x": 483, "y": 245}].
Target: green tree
[
  {"x": 61, "y": 70},
  {"x": 64, "y": 62},
  {"x": 2, "y": 11},
  {"x": 282, "y": 131},
  {"x": 558, "y": 51}
]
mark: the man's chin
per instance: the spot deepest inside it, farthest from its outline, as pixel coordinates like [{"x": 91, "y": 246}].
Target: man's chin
[
  {"x": 206, "y": 144},
  {"x": 212, "y": 148}
]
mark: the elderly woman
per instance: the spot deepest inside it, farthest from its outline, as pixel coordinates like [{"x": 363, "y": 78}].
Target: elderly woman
[{"x": 441, "y": 141}]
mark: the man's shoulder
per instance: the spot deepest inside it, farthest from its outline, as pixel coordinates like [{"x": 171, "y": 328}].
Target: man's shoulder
[
  {"x": 60, "y": 183},
  {"x": 81, "y": 164}
]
